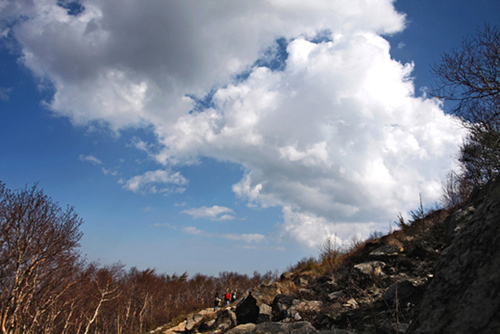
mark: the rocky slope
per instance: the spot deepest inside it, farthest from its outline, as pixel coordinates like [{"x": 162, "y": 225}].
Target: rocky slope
[
  {"x": 439, "y": 275},
  {"x": 464, "y": 296}
]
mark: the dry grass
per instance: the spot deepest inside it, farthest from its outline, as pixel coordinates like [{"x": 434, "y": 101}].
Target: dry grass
[{"x": 334, "y": 259}]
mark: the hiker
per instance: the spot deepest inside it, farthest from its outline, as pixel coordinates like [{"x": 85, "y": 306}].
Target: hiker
[
  {"x": 233, "y": 297},
  {"x": 227, "y": 297},
  {"x": 216, "y": 301}
]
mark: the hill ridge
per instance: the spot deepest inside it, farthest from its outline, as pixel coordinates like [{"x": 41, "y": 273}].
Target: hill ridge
[{"x": 412, "y": 280}]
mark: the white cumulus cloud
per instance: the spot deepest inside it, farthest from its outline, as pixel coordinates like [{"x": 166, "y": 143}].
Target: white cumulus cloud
[
  {"x": 336, "y": 137},
  {"x": 213, "y": 213},
  {"x": 5, "y": 93},
  {"x": 147, "y": 182},
  {"x": 248, "y": 238},
  {"x": 90, "y": 158}
]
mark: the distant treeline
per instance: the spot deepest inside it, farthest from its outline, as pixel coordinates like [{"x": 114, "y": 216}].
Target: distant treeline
[{"x": 47, "y": 287}]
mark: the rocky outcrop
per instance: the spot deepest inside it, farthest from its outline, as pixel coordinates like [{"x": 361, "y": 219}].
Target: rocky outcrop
[
  {"x": 437, "y": 276},
  {"x": 256, "y": 307},
  {"x": 464, "y": 295}
]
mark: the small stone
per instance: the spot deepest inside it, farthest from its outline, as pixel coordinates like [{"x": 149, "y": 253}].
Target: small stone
[
  {"x": 352, "y": 303},
  {"x": 384, "y": 252},
  {"x": 336, "y": 295}
]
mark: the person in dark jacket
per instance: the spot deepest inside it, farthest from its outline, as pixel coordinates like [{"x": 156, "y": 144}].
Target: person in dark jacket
[{"x": 216, "y": 301}]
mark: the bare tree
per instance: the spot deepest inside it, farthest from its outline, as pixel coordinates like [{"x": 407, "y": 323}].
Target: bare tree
[
  {"x": 455, "y": 191},
  {"x": 329, "y": 251},
  {"x": 38, "y": 242},
  {"x": 45, "y": 286},
  {"x": 470, "y": 76}
]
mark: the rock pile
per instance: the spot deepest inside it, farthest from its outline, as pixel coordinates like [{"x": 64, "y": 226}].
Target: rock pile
[{"x": 441, "y": 275}]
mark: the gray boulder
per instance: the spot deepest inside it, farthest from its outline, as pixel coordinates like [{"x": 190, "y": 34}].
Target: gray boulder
[
  {"x": 193, "y": 321},
  {"x": 281, "y": 304},
  {"x": 302, "y": 279},
  {"x": 251, "y": 309},
  {"x": 304, "y": 308},
  {"x": 266, "y": 293},
  {"x": 325, "y": 285},
  {"x": 286, "y": 276},
  {"x": 302, "y": 282},
  {"x": 400, "y": 292},
  {"x": 372, "y": 268},
  {"x": 265, "y": 313},
  {"x": 242, "y": 329},
  {"x": 225, "y": 320},
  {"x": 247, "y": 310}
]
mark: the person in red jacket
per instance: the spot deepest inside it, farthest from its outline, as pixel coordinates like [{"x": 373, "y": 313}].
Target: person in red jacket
[{"x": 227, "y": 297}]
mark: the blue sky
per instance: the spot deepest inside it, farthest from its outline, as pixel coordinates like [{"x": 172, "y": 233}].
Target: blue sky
[{"x": 228, "y": 136}]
